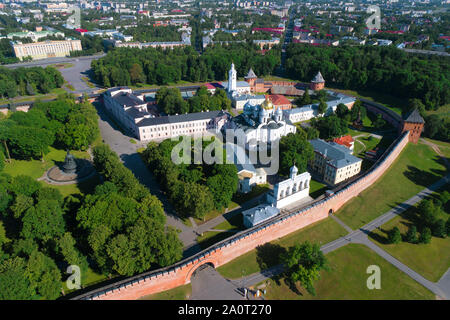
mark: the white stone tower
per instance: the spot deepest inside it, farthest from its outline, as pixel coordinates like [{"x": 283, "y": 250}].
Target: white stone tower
[{"x": 232, "y": 74}]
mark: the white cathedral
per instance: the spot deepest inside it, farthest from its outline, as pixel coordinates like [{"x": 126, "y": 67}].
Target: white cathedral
[{"x": 258, "y": 124}]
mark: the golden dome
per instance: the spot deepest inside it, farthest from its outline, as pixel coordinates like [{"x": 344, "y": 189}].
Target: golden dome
[{"x": 267, "y": 104}]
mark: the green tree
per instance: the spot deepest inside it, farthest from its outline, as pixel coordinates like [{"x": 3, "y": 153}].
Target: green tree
[
  {"x": 394, "y": 236},
  {"x": 44, "y": 221},
  {"x": 322, "y": 108},
  {"x": 411, "y": 236},
  {"x": 439, "y": 229},
  {"x": 341, "y": 110},
  {"x": 425, "y": 236},
  {"x": 13, "y": 284},
  {"x": 44, "y": 275},
  {"x": 295, "y": 149},
  {"x": 306, "y": 99},
  {"x": 303, "y": 262},
  {"x": 21, "y": 204},
  {"x": 72, "y": 256}
]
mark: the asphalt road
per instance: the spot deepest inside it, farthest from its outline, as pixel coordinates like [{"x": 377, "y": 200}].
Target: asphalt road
[
  {"x": 73, "y": 75},
  {"x": 208, "y": 284},
  {"x": 50, "y": 61},
  {"x": 127, "y": 152}
]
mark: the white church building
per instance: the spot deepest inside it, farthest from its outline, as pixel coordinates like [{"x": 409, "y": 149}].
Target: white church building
[
  {"x": 294, "y": 190},
  {"x": 234, "y": 87},
  {"x": 258, "y": 124}
]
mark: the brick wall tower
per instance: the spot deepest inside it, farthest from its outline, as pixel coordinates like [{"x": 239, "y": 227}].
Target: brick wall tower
[
  {"x": 251, "y": 78},
  {"x": 414, "y": 123},
  {"x": 318, "y": 83}
]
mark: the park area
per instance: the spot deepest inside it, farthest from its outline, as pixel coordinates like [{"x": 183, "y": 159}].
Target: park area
[
  {"x": 267, "y": 255},
  {"x": 417, "y": 167},
  {"x": 347, "y": 280},
  {"x": 36, "y": 169},
  {"x": 431, "y": 260}
]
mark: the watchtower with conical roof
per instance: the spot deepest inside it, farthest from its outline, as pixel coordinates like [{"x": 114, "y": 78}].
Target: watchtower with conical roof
[
  {"x": 414, "y": 123},
  {"x": 318, "y": 82},
  {"x": 251, "y": 77}
]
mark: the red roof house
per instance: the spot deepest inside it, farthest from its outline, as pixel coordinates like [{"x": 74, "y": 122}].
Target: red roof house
[{"x": 346, "y": 141}]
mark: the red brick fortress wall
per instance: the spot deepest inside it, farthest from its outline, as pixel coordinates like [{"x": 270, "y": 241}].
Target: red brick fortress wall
[{"x": 245, "y": 241}]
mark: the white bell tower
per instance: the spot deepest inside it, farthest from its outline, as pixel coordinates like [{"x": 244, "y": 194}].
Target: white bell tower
[{"x": 232, "y": 74}]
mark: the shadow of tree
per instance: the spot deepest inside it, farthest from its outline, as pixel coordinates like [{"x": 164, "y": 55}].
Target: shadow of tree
[
  {"x": 383, "y": 239},
  {"x": 422, "y": 177},
  {"x": 292, "y": 286},
  {"x": 268, "y": 255}
]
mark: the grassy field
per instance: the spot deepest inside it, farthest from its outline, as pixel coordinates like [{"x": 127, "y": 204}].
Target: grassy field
[
  {"x": 215, "y": 213},
  {"x": 234, "y": 224},
  {"x": 91, "y": 278},
  {"x": 430, "y": 260},
  {"x": 347, "y": 280},
  {"x": 316, "y": 188},
  {"x": 393, "y": 103},
  {"x": 257, "y": 190},
  {"x": 179, "y": 293},
  {"x": 417, "y": 167},
  {"x": 443, "y": 111},
  {"x": 36, "y": 168},
  {"x": 443, "y": 146},
  {"x": 266, "y": 256},
  {"x": 51, "y": 95}
]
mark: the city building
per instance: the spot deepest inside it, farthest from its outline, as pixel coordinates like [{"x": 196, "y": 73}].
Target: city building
[
  {"x": 234, "y": 87},
  {"x": 346, "y": 141},
  {"x": 294, "y": 190},
  {"x": 133, "y": 115},
  {"x": 310, "y": 111},
  {"x": 34, "y": 35},
  {"x": 259, "y": 214},
  {"x": 280, "y": 101},
  {"x": 248, "y": 175},
  {"x": 46, "y": 49},
  {"x": 259, "y": 125},
  {"x": 332, "y": 162}
]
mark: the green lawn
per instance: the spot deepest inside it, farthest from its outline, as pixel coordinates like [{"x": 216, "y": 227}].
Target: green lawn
[
  {"x": 91, "y": 278},
  {"x": 36, "y": 168},
  {"x": 443, "y": 146},
  {"x": 417, "y": 167},
  {"x": 257, "y": 190},
  {"x": 393, "y": 103},
  {"x": 84, "y": 187},
  {"x": 51, "y": 95},
  {"x": 178, "y": 293},
  {"x": 368, "y": 143},
  {"x": 211, "y": 237},
  {"x": 316, "y": 188},
  {"x": 256, "y": 260},
  {"x": 235, "y": 223},
  {"x": 443, "y": 111},
  {"x": 430, "y": 260},
  {"x": 347, "y": 280},
  {"x": 214, "y": 213}
]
